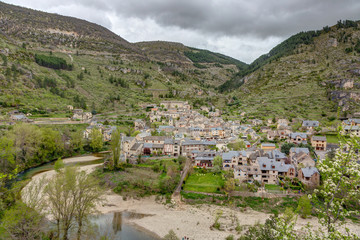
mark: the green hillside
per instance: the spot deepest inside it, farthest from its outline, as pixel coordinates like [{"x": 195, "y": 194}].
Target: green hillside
[{"x": 313, "y": 80}]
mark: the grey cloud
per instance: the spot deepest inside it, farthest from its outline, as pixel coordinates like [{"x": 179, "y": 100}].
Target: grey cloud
[{"x": 243, "y": 29}]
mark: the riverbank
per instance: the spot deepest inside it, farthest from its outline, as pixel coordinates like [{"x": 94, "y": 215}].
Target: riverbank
[{"x": 193, "y": 221}]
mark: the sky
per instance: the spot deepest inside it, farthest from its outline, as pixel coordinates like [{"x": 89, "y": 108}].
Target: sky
[{"x": 242, "y": 29}]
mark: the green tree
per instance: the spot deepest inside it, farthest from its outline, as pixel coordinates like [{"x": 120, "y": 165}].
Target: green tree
[
  {"x": 72, "y": 196},
  {"x": 96, "y": 139},
  {"x": 59, "y": 164},
  {"x": 77, "y": 140},
  {"x": 52, "y": 145},
  {"x": 285, "y": 148},
  {"x": 7, "y": 152},
  {"x": 304, "y": 206},
  {"x": 27, "y": 141},
  {"x": 21, "y": 222},
  {"x": 88, "y": 195},
  {"x": 229, "y": 185},
  {"x": 217, "y": 164},
  {"x": 116, "y": 147}
]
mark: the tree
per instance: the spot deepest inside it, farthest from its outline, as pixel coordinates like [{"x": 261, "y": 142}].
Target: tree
[
  {"x": 229, "y": 185},
  {"x": 96, "y": 139},
  {"x": 116, "y": 147},
  {"x": 59, "y": 164},
  {"x": 72, "y": 197},
  {"x": 304, "y": 206},
  {"x": 22, "y": 222},
  {"x": 51, "y": 144},
  {"x": 27, "y": 141},
  {"x": 217, "y": 164},
  {"x": 76, "y": 140},
  {"x": 60, "y": 193},
  {"x": 341, "y": 177},
  {"x": 7, "y": 152},
  {"x": 88, "y": 194},
  {"x": 274, "y": 228},
  {"x": 285, "y": 148}
]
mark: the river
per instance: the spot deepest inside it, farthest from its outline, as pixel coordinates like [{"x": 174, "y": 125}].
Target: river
[{"x": 116, "y": 224}]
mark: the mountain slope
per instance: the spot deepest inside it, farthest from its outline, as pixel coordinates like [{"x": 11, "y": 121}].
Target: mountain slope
[
  {"x": 56, "y": 30},
  {"x": 313, "y": 80},
  {"x": 104, "y": 72}
]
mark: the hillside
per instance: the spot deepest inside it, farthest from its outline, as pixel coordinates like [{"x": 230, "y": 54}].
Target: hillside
[
  {"x": 103, "y": 72},
  {"x": 305, "y": 79}
]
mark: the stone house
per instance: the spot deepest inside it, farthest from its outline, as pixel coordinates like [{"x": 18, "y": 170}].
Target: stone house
[
  {"x": 107, "y": 133},
  {"x": 191, "y": 145},
  {"x": 272, "y": 169},
  {"x": 309, "y": 176},
  {"x": 298, "y": 137},
  {"x": 249, "y": 173},
  {"x": 127, "y": 143},
  {"x": 79, "y": 114},
  {"x": 155, "y": 139},
  {"x": 153, "y": 148},
  {"x": 352, "y": 130},
  {"x": 295, "y": 150},
  {"x": 310, "y": 125},
  {"x": 318, "y": 143},
  {"x": 136, "y": 149},
  {"x": 232, "y": 159},
  {"x": 302, "y": 159},
  {"x": 352, "y": 122},
  {"x": 268, "y": 146},
  {"x": 19, "y": 117},
  {"x": 204, "y": 159}
]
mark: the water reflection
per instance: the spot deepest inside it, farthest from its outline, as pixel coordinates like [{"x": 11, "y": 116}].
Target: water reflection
[
  {"x": 117, "y": 221},
  {"x": 116, "y": 225}
]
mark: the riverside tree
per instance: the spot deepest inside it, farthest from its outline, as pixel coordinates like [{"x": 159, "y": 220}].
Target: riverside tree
[{"x": 72, "y": 197}]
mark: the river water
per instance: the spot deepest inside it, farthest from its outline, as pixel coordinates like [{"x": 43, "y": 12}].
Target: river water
[{"x": 114, "y": 225}]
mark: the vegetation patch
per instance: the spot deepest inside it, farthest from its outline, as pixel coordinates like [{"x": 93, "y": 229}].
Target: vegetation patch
[
  {"x": 52, "y": 62},
  {"x": 204, "y": 182}
]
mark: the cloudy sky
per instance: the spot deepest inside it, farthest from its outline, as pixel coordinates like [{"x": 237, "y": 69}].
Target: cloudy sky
[{"x": 243, "y": 29}]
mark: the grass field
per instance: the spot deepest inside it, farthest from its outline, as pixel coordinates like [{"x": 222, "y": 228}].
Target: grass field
[
  {"x": 272, "y": 187},
  {"x": 204, "y": 182},
  {"x": 332, "y": 138}
]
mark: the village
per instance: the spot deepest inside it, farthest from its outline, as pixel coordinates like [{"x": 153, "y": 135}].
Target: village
[
  {"x": 261, "y": 152},
  {"x": 173, "y": 129}
]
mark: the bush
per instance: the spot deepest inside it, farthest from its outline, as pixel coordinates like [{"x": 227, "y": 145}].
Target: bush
[{"x": 304, "y": 206}]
